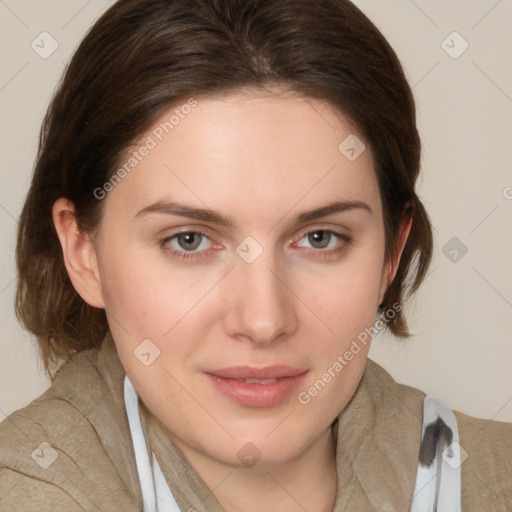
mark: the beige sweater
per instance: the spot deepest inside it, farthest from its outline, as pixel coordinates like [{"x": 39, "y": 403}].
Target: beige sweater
[{"x": 88, "y": 462}]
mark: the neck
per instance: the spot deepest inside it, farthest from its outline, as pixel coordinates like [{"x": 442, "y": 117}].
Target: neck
[{"x": 308, "y": 482}]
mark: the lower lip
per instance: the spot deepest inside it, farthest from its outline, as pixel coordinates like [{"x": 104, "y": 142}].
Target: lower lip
[{"x": 257, "y": 395}]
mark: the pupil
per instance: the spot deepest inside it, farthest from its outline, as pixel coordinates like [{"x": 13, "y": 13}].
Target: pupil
[{"x": 189, "y": 240}]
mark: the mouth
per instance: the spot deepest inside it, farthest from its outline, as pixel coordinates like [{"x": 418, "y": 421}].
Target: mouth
[
  {"x": 258, "y": 381},
  {"x": 257, "y": 387}
]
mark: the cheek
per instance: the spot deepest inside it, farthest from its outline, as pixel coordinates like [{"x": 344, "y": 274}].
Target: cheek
[
  {"x": 347, "y": 298},
  {"x": 152, "y": 298},
  {"x": 132, "y": 298},
  {"x": 346, "y": 305}
]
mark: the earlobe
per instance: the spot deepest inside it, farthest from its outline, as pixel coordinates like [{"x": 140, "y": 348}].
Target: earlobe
[{"x": 79, "y": 253}]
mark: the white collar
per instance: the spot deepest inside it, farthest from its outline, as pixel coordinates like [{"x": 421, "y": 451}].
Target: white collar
[{"x": 156, "y": 495}]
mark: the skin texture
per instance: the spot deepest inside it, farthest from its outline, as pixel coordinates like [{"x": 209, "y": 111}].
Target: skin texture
[{"x": 260, "y": 158}]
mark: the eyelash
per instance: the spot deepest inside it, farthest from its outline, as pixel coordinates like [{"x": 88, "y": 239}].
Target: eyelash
[{"x": 323, "y": 253}]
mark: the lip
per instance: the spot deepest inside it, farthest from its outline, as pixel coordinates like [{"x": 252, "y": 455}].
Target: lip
[
  {"x": 249, "y": 372},
  {"x": 230, "y": 382}
]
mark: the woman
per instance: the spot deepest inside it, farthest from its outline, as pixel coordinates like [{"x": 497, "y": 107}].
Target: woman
[{"x": 222, "y": 202}]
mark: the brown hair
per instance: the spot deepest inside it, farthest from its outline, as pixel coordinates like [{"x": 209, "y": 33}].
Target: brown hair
[{"x": 142, "y": 56}]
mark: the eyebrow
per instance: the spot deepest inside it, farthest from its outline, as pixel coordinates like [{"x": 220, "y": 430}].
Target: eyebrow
[{"x": 207, "y": 215}]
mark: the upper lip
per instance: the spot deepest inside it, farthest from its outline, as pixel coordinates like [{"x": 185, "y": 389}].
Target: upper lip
[{"x": 249, "y": 372}]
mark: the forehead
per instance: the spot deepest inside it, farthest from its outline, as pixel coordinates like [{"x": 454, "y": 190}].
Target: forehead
[{"x": 252, "y": 148}]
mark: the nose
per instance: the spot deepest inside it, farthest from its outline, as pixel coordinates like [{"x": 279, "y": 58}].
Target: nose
[{"x": 261, "y": 306}]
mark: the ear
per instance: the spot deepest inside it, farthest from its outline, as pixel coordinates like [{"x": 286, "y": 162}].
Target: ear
[
  {"x": 391, "y": 264},
  {"x": 79, "y": 253}
]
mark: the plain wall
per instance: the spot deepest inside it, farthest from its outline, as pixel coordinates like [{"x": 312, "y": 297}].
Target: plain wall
[{"x": 461, "y": 351}]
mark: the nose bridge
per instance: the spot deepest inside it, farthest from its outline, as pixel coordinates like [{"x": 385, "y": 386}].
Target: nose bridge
[{"x": 261, "y": 308}]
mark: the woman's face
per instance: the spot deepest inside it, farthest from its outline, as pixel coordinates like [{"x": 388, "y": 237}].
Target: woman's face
[{"x": 244, "y": 243}]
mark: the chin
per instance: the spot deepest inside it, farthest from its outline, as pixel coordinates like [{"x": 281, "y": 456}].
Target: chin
[{"x": 261, "y": 450}]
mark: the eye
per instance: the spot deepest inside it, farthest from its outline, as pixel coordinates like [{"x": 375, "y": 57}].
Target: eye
[
  {"x": 187, "y": 244},
  {"x": 324, "y": 242},
  {"x": 189, "y": 241},
  {"x": 321, "y": 238}
]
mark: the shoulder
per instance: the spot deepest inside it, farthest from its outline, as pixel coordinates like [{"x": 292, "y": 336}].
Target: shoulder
[
  {"x": 385, "y": 390},
  {"x": 21, "y": 492},
  {"x": 66, "y": 450},
  {"x": 486, "y": 447}
]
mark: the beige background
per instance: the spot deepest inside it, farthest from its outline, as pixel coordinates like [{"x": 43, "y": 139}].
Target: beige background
[{"x": 462, "y": 318}]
